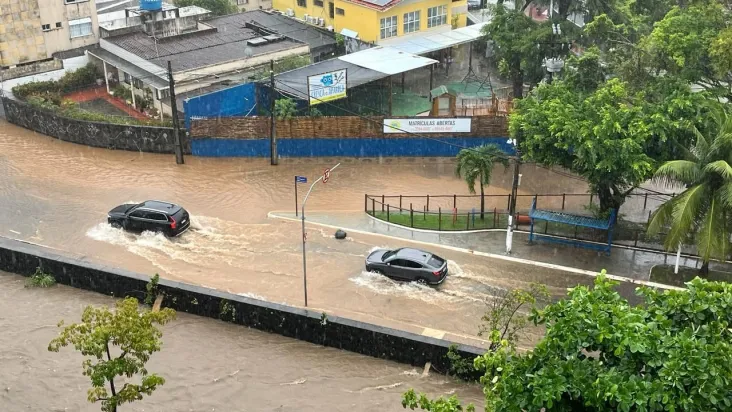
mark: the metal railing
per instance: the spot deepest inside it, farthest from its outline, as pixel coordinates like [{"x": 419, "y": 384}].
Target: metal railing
[{"x": 451, "y": 213}]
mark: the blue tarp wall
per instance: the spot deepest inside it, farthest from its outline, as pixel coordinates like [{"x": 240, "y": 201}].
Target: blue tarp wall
[
  {"x": 240, "y": 100},
  {"x": 344, "y": 147}
]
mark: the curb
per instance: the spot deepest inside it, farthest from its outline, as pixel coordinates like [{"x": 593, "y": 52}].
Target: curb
[{"x": 273, "y": 215}]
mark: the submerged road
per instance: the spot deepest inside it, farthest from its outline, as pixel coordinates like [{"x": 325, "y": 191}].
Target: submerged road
[{"x": 57, "y": 194}]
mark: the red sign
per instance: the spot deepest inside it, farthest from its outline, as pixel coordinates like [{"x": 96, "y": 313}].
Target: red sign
[{"x": 326, "y": 175}]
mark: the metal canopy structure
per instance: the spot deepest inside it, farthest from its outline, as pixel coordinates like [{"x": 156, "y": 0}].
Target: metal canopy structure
[
  {"x": 573, "y": 220},
  {"x": 387, "y": 60},
  {"x": 156, "y": 80},
  {"x": 362, "y": 67},
  {"x": 424, "y": 43}
]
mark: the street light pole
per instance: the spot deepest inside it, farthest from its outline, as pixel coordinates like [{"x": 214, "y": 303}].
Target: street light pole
[{"x": 302, "y": 216}]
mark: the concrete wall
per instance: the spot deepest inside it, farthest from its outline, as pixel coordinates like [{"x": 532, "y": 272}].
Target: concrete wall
[
  {"x": 343, "y": 147},
  {"x": 337, "y": 332},
  {"x": 23, "y": 39},
  {"x": 109, "y": 136}
]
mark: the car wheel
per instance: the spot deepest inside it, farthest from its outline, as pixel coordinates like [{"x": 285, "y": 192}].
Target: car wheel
[
  {"x": 115, "y": 224},
  {"x": 377, "y": 271}
]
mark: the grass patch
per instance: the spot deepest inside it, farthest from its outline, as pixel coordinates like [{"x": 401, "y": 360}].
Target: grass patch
[
  {"x": 40, "y": 279},
  {"x": 445, "y": 222},
  {"x": 665, "y": 274}
]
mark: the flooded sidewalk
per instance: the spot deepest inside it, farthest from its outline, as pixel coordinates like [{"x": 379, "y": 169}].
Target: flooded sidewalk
[{"x": 621, "y": 262}]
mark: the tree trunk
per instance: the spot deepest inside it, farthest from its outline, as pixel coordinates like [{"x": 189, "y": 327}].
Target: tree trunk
[
  {"x": 704, "y": 270},
  {"x": 609, "y": 198},
  {"x": 518, "y": 84},
  {"x": 482, "y": 203}
]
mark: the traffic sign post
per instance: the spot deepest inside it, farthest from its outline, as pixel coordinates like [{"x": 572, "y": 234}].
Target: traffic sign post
[
  {"x": 324, "y": 178},
  {"x": 298, "y": 179}
]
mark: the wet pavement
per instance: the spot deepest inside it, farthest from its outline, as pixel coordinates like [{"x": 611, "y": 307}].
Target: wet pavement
[{"x": 621, "y": 262}]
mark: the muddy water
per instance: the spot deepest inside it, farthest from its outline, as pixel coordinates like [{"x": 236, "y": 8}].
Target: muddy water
[
  {"x": 209, "y": 365},
  {"x": 57, "y": 194}
]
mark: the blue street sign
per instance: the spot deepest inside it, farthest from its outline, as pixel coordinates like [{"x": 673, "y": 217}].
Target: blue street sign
[{"x": 301, "y": 179}]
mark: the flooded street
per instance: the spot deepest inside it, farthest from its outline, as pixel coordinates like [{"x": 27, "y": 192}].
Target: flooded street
[
  {"x": 209, "y": 365},
  {"x": 57, "y": 194}
]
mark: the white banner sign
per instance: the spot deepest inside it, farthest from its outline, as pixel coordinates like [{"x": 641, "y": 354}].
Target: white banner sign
[
  {"x": 427, "y": 125},
  {"x": 327, "y": 86}
]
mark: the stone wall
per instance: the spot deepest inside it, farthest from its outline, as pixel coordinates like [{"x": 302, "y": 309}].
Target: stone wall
[
  {"x": 105, "y": 135},
  {"x": 31, "y": 68},
  {"x": 298, "y": 323}
]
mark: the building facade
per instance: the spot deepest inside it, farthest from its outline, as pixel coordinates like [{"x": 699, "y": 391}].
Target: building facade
[
  {"x": 31, "y": 31},
  {"x": 378, "y": 20}
]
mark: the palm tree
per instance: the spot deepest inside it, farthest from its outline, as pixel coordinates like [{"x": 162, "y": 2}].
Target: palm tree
[
  {"x": 703, "y": 210},
  {"x": 477, "y": 164}
]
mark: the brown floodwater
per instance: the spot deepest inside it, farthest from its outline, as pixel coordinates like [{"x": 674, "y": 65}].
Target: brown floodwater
[
  {"x": 57, "y": 194},
  {"x": 209, "y": 365}
]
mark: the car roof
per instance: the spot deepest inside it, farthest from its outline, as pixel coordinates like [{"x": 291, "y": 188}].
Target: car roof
[
  {"x": 159, "y": 206},
  {"x": 414, "y": 254}
]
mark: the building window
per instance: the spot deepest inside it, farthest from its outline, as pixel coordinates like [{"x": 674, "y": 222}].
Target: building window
[
  {"x": 302, "y": 3},
  {"x": 58, "y": 25},
  {"x": 411, "y": 22},
  {"x": 242, "y": 2},
  {"x": 163, "y": 94},
  {"x": 436, "y": 16},
  {"x": 127, "y": 77},
  {"x": 318, "y": 3},
  {"x": 45, "y": 27},
  {"x": 340, "y": 12},
  {"x": 389, "y": 27},
  {"x": 80, "y": 27},
  {"x": 137, "y": 83}
]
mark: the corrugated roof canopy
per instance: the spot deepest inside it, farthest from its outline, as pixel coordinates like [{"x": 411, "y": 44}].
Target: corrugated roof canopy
[
  {"x": 425, "y": 43},
  {"x": 362, "y": 67},
  {"x": 387, "y": 60}
]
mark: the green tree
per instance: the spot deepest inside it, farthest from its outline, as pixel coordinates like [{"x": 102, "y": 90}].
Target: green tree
[
  {"x": 476, "y": 164},
  {"x": 612, "y": 136},
  {"x": 600, "y": 353},
  {"x": 703, "y": 210},
  {"x": 514, "y": 37},
  {"x": 285, "y": 109},
  {"x": 136, "y": 338},
  {"x": 216, "y": 7},
  {"x": 691, "y": 43}
]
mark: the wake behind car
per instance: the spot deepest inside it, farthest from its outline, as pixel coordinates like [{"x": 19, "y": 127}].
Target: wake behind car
[
  {"x": 407, "y": 264},
  {"x": 152, "y": 215}
]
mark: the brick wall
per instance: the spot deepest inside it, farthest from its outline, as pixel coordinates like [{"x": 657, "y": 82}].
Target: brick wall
[{"x": 326, "y": 127}]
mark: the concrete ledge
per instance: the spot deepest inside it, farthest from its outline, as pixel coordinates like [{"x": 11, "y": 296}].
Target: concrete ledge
[{"x": 299, "y": 323}]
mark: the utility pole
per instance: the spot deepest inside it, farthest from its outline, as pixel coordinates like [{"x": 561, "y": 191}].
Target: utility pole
[
  {"x": 176, "y": 125},
  {"x": 514, "y": 194},
  {"x": 272, "y": 137}
]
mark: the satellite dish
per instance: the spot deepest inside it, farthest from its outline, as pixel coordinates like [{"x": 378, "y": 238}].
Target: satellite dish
[{"x": 248, "y": 52}]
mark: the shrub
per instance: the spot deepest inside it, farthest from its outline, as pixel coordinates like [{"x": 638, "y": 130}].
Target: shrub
[
  {"x": 69, "y": 82},
  {"x": 40, "y": 279}
]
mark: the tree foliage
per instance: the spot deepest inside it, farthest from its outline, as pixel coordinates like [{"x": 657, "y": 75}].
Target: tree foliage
[
  {"x": 600, "y": 353},
  {"x": 690, "y": 43},
  {"x": 216, "y": 7},
  {"x": 476, "y": 164},
  {"x": 611, "y": 136},
  {"x": 116, "y": 344},
  {"x": 285, "y": 109},
  {"x": 703, "y": 210}
]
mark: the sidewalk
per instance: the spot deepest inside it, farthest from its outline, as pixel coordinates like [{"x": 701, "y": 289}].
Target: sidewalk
[{"x": 622, "y": 262}]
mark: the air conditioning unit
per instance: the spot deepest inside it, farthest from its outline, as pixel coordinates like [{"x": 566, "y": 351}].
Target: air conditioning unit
[
  {"x": 290, "y": 13},
  {"x": 321, "y": 22}
]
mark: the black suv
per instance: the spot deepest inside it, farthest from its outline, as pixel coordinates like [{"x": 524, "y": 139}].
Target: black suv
[{"x": 152, "y": 215}]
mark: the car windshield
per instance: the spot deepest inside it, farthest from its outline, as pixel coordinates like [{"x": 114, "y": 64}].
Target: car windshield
[{"x": 387, "y": 255}]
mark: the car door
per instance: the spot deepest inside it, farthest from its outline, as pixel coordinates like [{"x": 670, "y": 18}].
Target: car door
[
  {"x": 398, "y": 269},
  {"x": 136, "y": 220},
  {"x": 413, "y": 270},
  {"x": 158, "y": 222}
]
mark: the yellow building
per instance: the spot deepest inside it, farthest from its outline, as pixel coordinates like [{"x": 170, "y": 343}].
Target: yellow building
[{"x": 378, "y": 20}]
